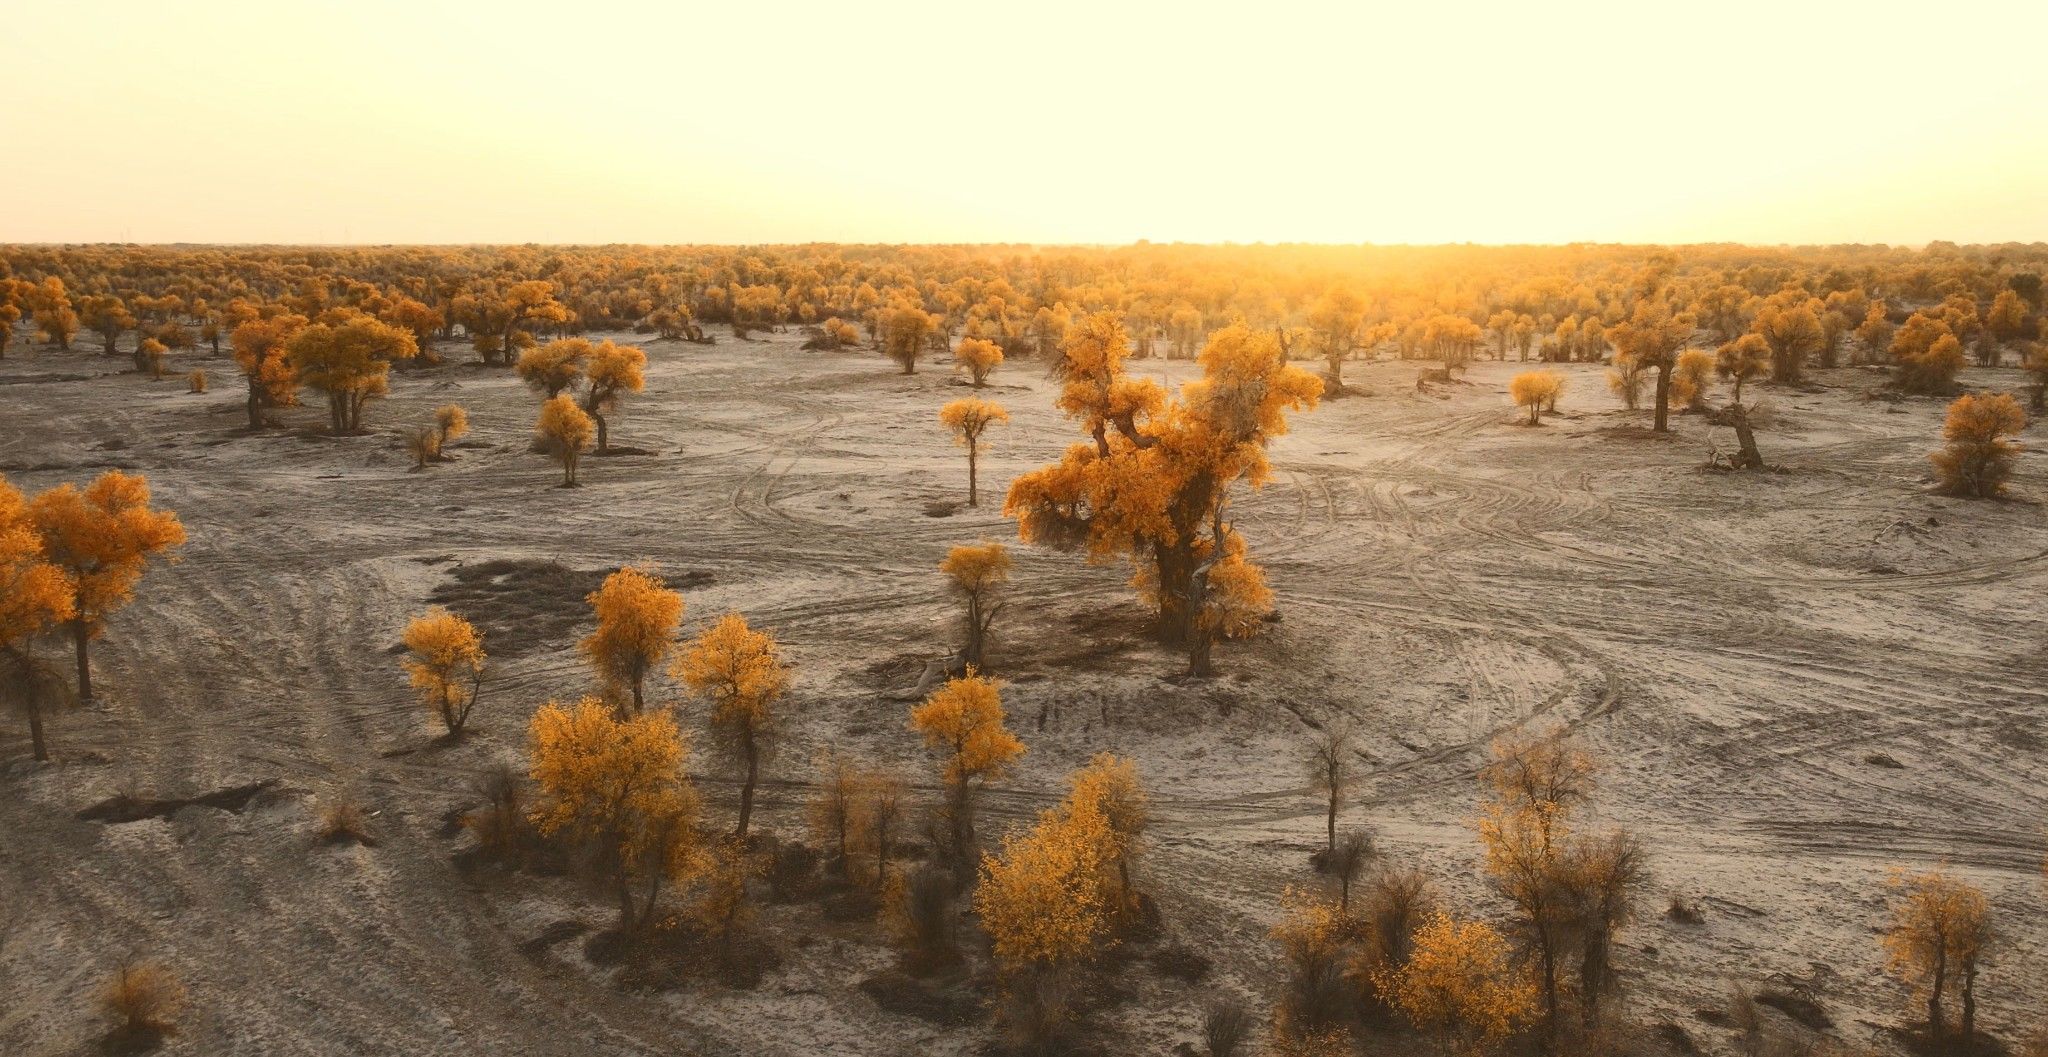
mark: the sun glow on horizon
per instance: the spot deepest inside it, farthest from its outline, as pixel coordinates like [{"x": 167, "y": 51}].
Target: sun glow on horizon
[{"x": 1063, "y": 123}]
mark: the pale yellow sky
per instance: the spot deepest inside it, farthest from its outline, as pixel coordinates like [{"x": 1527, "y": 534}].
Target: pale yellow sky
[{"x": 747, "y": 121}]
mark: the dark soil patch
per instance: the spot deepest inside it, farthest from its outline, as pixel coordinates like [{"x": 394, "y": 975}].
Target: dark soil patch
[
  {"x": 126, "y": 808},
  {"x": 1676, "y": 1038},
  {"x": 934, "y": 1003},
  {"x": 1799, "y": 1007},
  {"x": 536, "y": 950},
  {"x": 1178, "y": 962},
  {"x": 523, "y": 603}
]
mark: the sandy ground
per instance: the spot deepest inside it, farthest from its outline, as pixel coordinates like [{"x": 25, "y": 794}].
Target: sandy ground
[{"x": 1798, "y": 680}]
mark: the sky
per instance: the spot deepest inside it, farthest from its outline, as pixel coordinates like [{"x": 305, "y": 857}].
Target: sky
[{"x": 442, "y": 121}]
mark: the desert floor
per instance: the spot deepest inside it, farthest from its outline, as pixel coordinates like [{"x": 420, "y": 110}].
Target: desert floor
[{"x": 1798, "y": 680}]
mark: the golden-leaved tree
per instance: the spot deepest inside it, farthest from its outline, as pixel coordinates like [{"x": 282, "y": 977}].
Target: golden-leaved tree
[
  {"x": 1747, "y": 357},
  {"x": 1652, "y": 337},
  {"x": 1939, "y": 931},
  {"x": 1153, "y": 484},
  {"x": 1927, "y": 354},
  {"x": 613, "y": 371},
  {"x": 739, "y": 672},
  {"x": 964, "y": 720},
  {"x": 102, "y": 538},
  {"x": 261, "y": 351},
  {"x": 978, "y": 573},
  {"x": 551, "y": 368},
  {"x": 1979, "y": 455},
  {"x": 34, "y": 595},
  {"x": 969, "y": 418},
  {"x": 1792, "y": 328},
  {"x": 445, "y": 660},
  {"x": 1535, "y": 390},
  {"x": 618, "y": 787},
  {"x": 977, "y": 356},
  {"x": 349, "y": 361},
  {"x": 636, "y": 616},
  {"x": 1043, "y": 901},
  {"x": 1461, "y": 978},
  {"x": 565, "y": 431}
]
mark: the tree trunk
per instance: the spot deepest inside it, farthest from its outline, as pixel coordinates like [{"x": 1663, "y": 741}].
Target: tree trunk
[
  {"x": 1331, "y": 821},
  {"x": 625, "y": 894},
  {"x": 1549, "y": 958},
  {"x": 747, "y": 789},
  {"x": 1663, "y": 397},
  {"x": 79, "y": 637},
  {"x": 973, "y": 493},
  {"x": 972, "y": 655},
  {"x": 604, "y": 434},
  {"x": 961, "y": 794},
  {"x": 35, "y": 726},
  {"x": 1969, "y": 999},
  {"x": 1172, "y": 572},
  {"x": 1749, "y": 458},
  {"x": 1935, "y": 1026}
]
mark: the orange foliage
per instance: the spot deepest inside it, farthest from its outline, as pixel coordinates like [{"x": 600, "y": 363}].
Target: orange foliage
[
  {"x": 739, "y": 671},
  {"x": 978, "y": 573},
  {"x": 446, "y": 664},
  {"x": 1461, "y": 978},
  {"x": 102, "y": 538},
  {"x": 1154, "y": 490},
  {"x": 618, "y": 786},
  {"x": 1979, "y": 455},
  {"x": 636, "y": 626},
  {"x": 261, "y": 352},
  {"x": 1535, "y": 390},
  {"x": 968, "y": 418},
  {"x": 350, "y": 361},
  {"x": 565, "y": 431},
  {"x": 978, "y": 357}
]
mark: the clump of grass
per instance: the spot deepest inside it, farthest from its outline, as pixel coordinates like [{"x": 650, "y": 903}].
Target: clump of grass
[
  {"x": 1226, "y": 1025},
  {"x": 144, "y": 999},
  {"x": 502, "y": 829},
  {"x": 343, "y": 822}
]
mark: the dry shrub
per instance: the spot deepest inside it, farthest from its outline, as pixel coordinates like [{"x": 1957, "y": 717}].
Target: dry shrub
[
  {"x": 196, "y": 381},
  {"x": 1393, "y": 906},
  {"x": 1690, "y": 378},
  {"x": 1978, "y": 458},
  {"x": 792, "y": 870},
  {"x": 343, "y": 822},
  {"x": 1684, "y": 911},
  {"x": 144, "y": 999},
  {"x": 1626, "y": 380},
  {"x": 1178, "y": 961},
  {"x": 1747, "y": 1019},
  {"x": 921, "y": 915},
  {"x": 423, "y": 443},
  {"x": 723, "y": 910},
  {"x": 1036, "y": 1012},
  {"x": 1311, "y": 935},
  {"x": 503, "y": 830},
  {"x": 1226, "y": 1027},
  {"x": 1347, "y": 860},
  {"x": 1328, "y": 1042}
]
